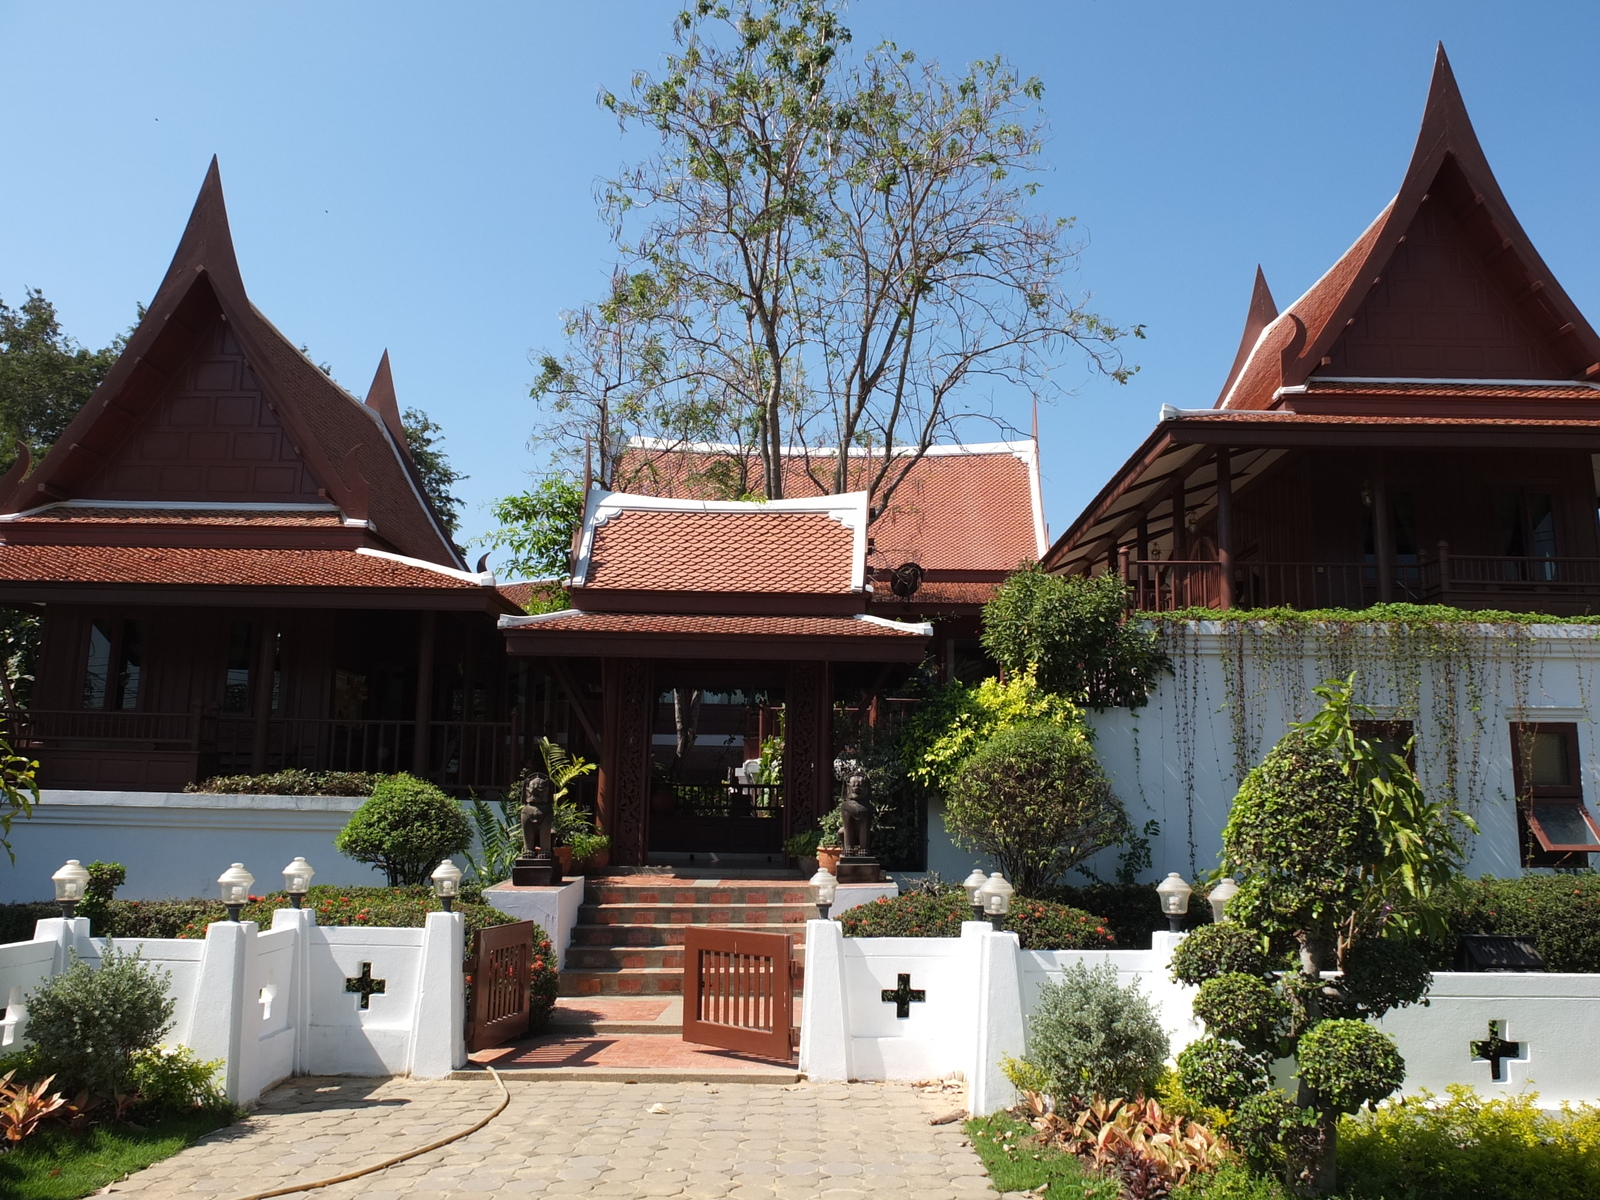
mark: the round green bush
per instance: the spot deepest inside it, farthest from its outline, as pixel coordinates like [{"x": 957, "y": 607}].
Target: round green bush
[
  {"x": 1243, "y": 1008},
  {"x": 1384, "y": 973},
  {"x": 1038, "y": 924},
  {"x": 1268, "y": 1124},
  {"x": 88, "y": 1025},
  {"x": 1214, "y": 950},
  {"x": 1349, "y": 1063},
  {"x": 405, "y": 829},
  {"x": 1220, "y": 1074},
  {"x": 1034, "y": 800},
  {"x": 1090, "y": 1036}
]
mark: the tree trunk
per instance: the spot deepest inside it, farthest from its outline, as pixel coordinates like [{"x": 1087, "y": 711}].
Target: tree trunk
[{"x": 1313, "y": 1168}]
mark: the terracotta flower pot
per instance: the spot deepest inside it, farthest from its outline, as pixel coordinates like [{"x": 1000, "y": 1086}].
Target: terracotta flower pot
[
  {"x": 596, "y": 862},
  {"x": 564, "y": 857},
  {"x": 828, "y": 856}
]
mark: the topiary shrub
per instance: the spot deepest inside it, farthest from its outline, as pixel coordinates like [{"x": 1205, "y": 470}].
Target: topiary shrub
[
  {"x": 88, "y": 1025},
  {"x": 1090, "y": 1036},
  {"x": 1034, "y": 800},
  {"x": 1221, "y": 1074},
  {"x": 104, "y": 880},
  {"x": 1245, "y": 1009},
  {"x": 1038, "y": 924},
  {"x": 1215, "y": 950},
  {"x": 405, "y": 829},
  {"x": 1348, "y": 1064},
  {"x": 292, "y": 782}
]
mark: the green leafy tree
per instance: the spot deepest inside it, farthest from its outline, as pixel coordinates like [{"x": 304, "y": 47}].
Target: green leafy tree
[
  {"x": 1340, "y": 855},
  {"x": 1072, "y": 633},
  {"x": 826, "y": 250},
  {"x": 405, "y": 829},
  {"x": 942, "y": 733},
  {"x": 45, "y": 376},
  {"x": 1034, "y": 799},
  {"x": 425, "y": 438},
  {"x": 536, "y": 526}
]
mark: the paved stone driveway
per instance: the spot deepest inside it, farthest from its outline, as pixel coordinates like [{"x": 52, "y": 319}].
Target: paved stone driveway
[{"x": 587, "y": 1139}]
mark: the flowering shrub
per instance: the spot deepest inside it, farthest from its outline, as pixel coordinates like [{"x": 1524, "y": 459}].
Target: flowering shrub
[
  {"x": 1560, "y": 912},
  {"x": 1041, "y": 924}
]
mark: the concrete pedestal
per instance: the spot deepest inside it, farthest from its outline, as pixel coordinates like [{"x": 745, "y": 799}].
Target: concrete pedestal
[{"x": 555, "y": 908}]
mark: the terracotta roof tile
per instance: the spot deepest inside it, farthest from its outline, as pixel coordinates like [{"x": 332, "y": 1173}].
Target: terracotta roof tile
[
  {"x": 574, "y": 621},
  {"x": 779, "y": 552},
  {"x": 186, "y": 566},
  {"x": 954, "y": 511},
  {"x": 1451, "y": 389}
]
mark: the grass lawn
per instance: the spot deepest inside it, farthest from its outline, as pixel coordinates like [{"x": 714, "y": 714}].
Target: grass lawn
[
  {"x": 54, "y": 1165},
  {"x": 1016, "y": 1162}
]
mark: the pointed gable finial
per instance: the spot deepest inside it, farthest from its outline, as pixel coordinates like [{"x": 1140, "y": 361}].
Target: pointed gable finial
[
  {"x": 1444, "y": 117},
  {"x": 207, "y": 243},
  {"x": 1262, "y": 312},
  {"x": 381, "y": 399}
]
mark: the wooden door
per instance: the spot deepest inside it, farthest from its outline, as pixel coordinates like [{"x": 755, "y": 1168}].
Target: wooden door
[
  {"x": 502, "y": 972},
  {"x": 738, "y": 990}
]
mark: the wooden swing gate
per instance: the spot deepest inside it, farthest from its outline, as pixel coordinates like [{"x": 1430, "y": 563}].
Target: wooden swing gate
[
  {"x": 502, "y": 973},
  {"x": 738, "y": 990}
]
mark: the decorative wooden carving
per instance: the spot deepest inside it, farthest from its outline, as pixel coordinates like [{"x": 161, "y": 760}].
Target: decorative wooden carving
[
  {"x": 808, "y": 744},
  {"x": 625, "y": 757}
]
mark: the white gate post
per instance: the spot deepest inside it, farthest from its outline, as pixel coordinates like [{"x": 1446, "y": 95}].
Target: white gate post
[
  {"x": 825, "y": 1009},
  {"x": 438, "y": 1031},
  {"x": 1000, "y": 1028},
  {"x": 301, "y": 920},
  {"x": 216, "y": 1022}
]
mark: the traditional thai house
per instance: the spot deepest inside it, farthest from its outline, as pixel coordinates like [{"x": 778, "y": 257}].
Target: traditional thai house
[
  {"x": 1422, "y": 424},
  {"x": 720, "y": 653},
  {"x": 238, "y": 569}
]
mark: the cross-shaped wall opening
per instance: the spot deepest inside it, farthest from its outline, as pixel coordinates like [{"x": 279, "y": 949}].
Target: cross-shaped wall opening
[
  {"x": 903, "y": 996},
  {"x": 1497, "y": 1051},
  {"x": 366, "y": 986}
]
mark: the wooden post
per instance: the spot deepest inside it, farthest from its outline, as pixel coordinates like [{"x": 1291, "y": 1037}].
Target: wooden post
[
  {"x": 266, "y": 658},
  {"x": 1141, "y": 545},
  {"x": 1382, "y": 530},
  {"x": 1444, "y": 570},
  {"x": 1180, "y": 512},
  {"x": 421, "y": 756},
  {"x": 1225, "y": 524}
]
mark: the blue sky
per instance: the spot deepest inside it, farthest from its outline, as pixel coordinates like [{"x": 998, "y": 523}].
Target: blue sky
[{"x": 420, "y": 177}]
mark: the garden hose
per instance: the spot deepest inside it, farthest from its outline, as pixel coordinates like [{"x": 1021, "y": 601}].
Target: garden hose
[{"x": 505, "y": 1099}]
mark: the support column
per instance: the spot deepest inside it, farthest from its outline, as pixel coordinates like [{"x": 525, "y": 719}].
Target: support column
[
  {"x": 266, "y": 658},
  {"x": 1180, "y": 512},
  {"x": 623, "y": 791},
  {"x": 421, "y": 759},
  {"x": 1225, "y": 523},
  {"x": 807, "y": 745},
  {"x": 1382, "y": 529}
]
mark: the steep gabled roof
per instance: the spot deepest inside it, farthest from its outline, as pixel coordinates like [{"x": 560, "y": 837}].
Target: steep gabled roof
[
  {"x": 350, "y": 452},
  {"x": 1445, "y": 283}
]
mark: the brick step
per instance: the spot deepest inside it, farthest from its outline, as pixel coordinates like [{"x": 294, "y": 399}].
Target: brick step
[
  {"x": 594, "y": 958},
  {"x": 662, "y": 935},
  {"x": 691, "y": 894},
  {"x": 617, "y": 981},
  {"x": 722, "y": 914}
]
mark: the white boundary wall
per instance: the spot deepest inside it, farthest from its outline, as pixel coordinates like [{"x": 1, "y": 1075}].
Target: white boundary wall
[
  {"x": 979, "y": 989},
  {"x": 274, "y": 1003}
]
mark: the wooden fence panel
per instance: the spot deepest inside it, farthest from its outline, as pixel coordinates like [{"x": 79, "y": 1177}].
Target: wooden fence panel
[
  {"x": 502, "y": 972},
  {"x": 738, "y": 990}
]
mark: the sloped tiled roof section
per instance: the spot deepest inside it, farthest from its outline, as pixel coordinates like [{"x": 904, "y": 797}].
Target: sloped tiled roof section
[
  {"x": 722, "y": 552},
  {"x": 1444, "y": 284},
  {"x": 645, "y": 543},
  {"x": 207, "y": 567},
  {"x": 712, "y": 625},
  {"x": 959, "y": 508},
  {"x": 210, "y": 402}
]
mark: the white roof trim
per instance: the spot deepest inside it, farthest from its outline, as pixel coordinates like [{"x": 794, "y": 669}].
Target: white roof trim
[
  {"x": 510, "y": 622},
  {"x": 1021, "y": 449},
  {"x": 1041, "y": 533},
  {"x": 177, "y": 506},
  {"x": 484, "y": 580},
  {"x": 920, "y": 628},
  {"x": 849, "y": 509}
]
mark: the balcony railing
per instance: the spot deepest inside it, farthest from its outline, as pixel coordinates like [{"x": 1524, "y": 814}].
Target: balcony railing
[
  {"x": 1165, "y": 585},
  {"x": 461, "y": 754}
]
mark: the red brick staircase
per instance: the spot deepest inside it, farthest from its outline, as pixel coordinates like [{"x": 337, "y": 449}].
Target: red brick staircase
[{"x": 629, "y": 937}]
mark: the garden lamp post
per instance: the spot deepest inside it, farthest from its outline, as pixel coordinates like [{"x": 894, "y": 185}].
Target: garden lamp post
[
  {"x": 1219, "y": 896},
  {"x": 297, "y": 880},
  {"x": 446, "y": 884},
  {"x": 824, "y": 887},
  {"x": 996, "y": 895},
  {"x": 235, "y": 883},
  {"x": 973, "y": 884},
  {"x": 1174, "y": 891},
  {"x": 70, "y": 882}
]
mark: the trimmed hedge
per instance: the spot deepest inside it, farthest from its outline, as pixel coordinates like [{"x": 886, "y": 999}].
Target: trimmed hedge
[
  {"x": 1132, "y": 911},
  {"x": 1560, "y": 912},
  {"x": 292, "y": 782},
  {"x": 1041, "y": 924}
]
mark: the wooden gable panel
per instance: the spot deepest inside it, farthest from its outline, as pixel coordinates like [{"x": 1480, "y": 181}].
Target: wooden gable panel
[
  {"x": 210, "y": 436},
  {"x": 1438, "y": 313}
]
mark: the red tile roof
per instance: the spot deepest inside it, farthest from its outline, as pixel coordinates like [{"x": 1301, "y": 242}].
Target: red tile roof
[
  {"x": 696, "y": 624},
  {"x": 190, "y": 567},
  {"x": 787, "y": 552},
  {"x": 958, "y": 508}
]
